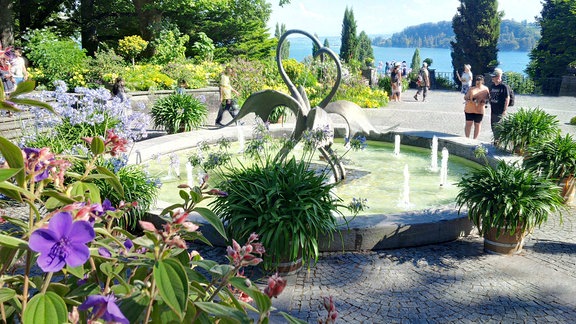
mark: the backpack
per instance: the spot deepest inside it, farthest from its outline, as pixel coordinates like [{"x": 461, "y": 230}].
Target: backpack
[
  {"x": 511, "y": 93},
  {"x": 420, "y": 81}
]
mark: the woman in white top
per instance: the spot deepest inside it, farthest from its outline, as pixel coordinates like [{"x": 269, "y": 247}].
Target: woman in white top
[{"x": 465, "y": 78}]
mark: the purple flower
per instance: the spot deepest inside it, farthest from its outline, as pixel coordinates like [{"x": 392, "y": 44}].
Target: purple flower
[
  {"x": 104, "y": 252},
  {"x": 63, "y": 242},
  {"x": 128, "y": 244},
  {"x": 104, "y": 307}
]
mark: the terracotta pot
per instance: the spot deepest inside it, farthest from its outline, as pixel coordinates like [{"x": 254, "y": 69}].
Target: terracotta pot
[
  {"x": 289, "y": 267},
  {"x": 504, "y": 243}
]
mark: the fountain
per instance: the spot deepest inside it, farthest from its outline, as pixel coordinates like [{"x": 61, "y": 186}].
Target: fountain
[
  {"x": 444, "y": 168},
  {"x": 405, "y": 200},
  {"x": 434, "y": 154},
  {"x": 377, "y": 231},
  {"x": 397, "y": 145},
  {"x": 189, "y": 177}
]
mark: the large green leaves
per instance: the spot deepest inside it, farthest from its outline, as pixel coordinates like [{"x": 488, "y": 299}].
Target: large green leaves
[
  {"x": 172, "y": 283},
  {"x": 48, "y": 308}
]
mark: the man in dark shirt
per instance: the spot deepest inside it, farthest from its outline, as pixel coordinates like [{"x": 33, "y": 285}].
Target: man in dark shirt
[{"x": 499, "y": 98}]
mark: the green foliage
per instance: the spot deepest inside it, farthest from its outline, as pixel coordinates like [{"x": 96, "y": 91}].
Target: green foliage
[
  {"x": 204, "y": 48},
  {"x": 285, "y": 51},
  {"x": 169, "y": 45},
  {"x": 132, "y": 46},
  {"x": 349, "y": 40},
  {"x": 105, "y": 67},
  {"x": 356, "y": 91},
  {"x": 416, "y": 61},
  {"x": 146, "y": 77},
  {"x": 138, "y": 186},
  {"x": 179, "y": 113},
  {"x": 195, "y": 75},
  {"x": 518, "y": 198},
  {"x": 519, "y": 83},
  {"x": 555, "y": 158},
  {"x": 253, "y": 76},
  {"x": 445, "y": 84},
  {"x": 555, "y": 50},
  {"x": 298, "y": 73},
  {"x": 55, "y": 58},
  {"x": 517, "y": 131},
  {"x": 261, "y": 199},
  {"x": 365, "y": 51},
  {"x": 477, "y": 26}
]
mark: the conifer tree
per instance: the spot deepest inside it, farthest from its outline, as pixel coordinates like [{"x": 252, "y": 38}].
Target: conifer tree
[
  {"x": 476, "y": 28},
  {"x": 365, "y": 51},
  {"x": 280, "y": 30},
  {"x": 315, "y": 47},
  {"x": 349, "y": 41},
  {"x": 555, "y": 51},
  {"x": 415, "y": 65}
]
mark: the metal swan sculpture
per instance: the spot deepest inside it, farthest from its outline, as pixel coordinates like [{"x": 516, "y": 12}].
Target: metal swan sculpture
[{"x": 262, "y": 104}]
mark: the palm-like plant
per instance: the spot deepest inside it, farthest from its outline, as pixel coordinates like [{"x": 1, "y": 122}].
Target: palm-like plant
[
  {"x": 527, "y": 126},
  {"x": 555, "y": 159},
  {"x": 179, "y": 113},
  {"x": 507, "y": 198},
  {"x": 286, "y": 203}
]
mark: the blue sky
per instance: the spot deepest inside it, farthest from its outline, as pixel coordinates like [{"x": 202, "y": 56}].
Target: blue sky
[{"x": 324, "y": 17}]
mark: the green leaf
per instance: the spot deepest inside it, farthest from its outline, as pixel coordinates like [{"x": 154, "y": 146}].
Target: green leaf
[
  {"x": 12, "y": 242},
  {"x": 292, "y": 320},
  {"x": 6, "y": 174},
  {"x": 262, "y": 302},
  {"x": 23, "y": 87},
  {"x": 48, "y": 308},
  {"x": 134, "y": 307},
  {"x": 97, "y": 146},
  {"x": 6, "y": 294},
  {"x": 223, "y": 311},
  {"x": 112, "y": 180},
  {"x": 172, "y": 283},
  {"x": 12, "y": 191},
  {"x": 13, "y": 156},
  {"x": 77, "y": 272},
  {"x": 212, "y": 219},
  {"x": 87, "y": 190}
]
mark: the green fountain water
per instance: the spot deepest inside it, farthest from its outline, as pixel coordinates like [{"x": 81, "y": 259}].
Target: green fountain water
[{"x": 391, "y": 182}]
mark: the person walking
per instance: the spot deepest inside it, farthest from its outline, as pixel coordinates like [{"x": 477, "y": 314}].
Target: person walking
[
  {"x": 396, "y": 82},
  {"x": 119, "y": 89},
  {"x": 499, "y": 98},
  {"x": 423, "y": 82},
  {"x": 225, "y": 95},
  {"x": 476, "y": 99},
  {"x": 466, "y": 78}
]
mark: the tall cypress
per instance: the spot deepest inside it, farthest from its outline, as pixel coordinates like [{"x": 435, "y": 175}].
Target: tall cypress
[
  {"x": 349, "y": 41},
  {"x": 476, "y": 28},
  {"x": 365, "y": 51},
  {"x": 280, "y": 30}
]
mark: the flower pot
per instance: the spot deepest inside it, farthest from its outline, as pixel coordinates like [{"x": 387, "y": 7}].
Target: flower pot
[
  {"x": 568, "y": 189},
  {"x": 286, "y": 268},
  {"x": 504, "y": 243}
]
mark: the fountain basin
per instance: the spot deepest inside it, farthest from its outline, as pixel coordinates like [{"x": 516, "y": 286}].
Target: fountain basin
[{"x": 407, "y": 229}]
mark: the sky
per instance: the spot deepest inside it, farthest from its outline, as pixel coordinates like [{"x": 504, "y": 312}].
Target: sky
[{"x": 381, "y": 17}]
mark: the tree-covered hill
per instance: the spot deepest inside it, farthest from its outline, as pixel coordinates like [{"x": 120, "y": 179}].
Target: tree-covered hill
[{"x": 514, "y": 36}]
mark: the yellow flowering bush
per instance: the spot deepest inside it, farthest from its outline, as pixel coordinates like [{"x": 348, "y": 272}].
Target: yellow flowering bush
[
  {"x": 147, "y": 77},
  {"x": 132, "y": 46}
]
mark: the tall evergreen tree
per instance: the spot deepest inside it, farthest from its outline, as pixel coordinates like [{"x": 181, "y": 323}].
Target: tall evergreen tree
[
  {"x": 476, "y": 28},
  {"x": 415, "y": 65},
  {"x": 557, "y": 47},
  {"x": 326, "y": 43},
  {"x": 365, "y": 51},
  {"x": 280, "y": 30},
  {"x": 315, "y": 47},
  {"x": 349, "y": 41}
]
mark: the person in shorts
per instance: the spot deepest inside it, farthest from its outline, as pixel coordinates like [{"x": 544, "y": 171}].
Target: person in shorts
[{"x": 475, "y": 102}]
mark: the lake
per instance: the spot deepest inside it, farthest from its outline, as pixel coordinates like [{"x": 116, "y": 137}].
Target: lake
[{"x": 301, "y": 47}]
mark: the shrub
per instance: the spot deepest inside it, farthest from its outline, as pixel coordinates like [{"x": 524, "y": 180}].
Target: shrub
[
  {"x": 195, "y": 75},
  {"x": 179, "y": 113},
  {"x": 520, "y": 83},
  {"x": 132, "y": 46},
  {"x": 54, "y": 59},
  {"x": 169, "y": 45},
  {"x": 105, "y": 67},
  {"x": 147, "y": 77},
  {"x": 356, "y": 91}
]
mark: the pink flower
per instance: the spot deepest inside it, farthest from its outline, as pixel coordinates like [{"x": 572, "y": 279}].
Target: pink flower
[{"x": 276, "y": 285}]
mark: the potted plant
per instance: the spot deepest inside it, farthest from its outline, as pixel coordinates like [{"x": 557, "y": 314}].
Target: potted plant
[
  {"x": 179, "y": 113},
  {"x": 287, "y": 204},
  {"x": 516, "y": 131},
  {"x": 555, "y": 159},
  {"x": 507, "y": 202}
]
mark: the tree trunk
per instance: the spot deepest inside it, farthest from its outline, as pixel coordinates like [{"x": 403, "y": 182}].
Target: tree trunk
[
  {"x": 6, "y": 23},
  {"x": 89, "y": 36}
]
